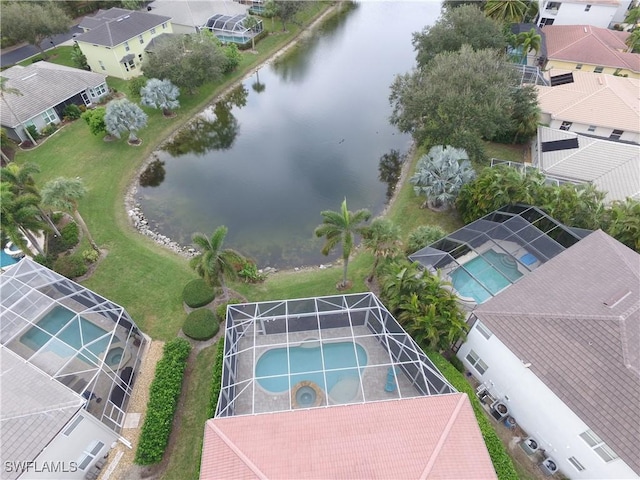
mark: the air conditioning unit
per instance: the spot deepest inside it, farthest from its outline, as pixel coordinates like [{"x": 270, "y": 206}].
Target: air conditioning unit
[
  {"x": 499, "y": 410},
  {"x": 530, "y": 445},
  {"x": 549, "y": 466}
]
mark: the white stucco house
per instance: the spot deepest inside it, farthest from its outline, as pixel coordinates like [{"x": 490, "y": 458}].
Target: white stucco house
[
  {"x": 188, "y": 15},
  {"x": 68, "y": 362},
  {"x": 599, "y": 13},
  {"x": 560, "y": 349}
]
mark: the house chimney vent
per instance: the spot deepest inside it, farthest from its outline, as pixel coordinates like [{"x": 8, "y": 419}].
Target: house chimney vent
[{"x": 585, "y": 29}]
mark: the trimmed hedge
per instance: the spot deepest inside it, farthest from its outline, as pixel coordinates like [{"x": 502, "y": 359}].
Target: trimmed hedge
[
  {"x": 216, "y": 383},
  {"x": 197, "y": 293},
  {"x": 201, "y": 324},
  {"x": 163, "y": 400},
  {"x": 70, "y": 267},
  {"x": 501, "y": 460}
]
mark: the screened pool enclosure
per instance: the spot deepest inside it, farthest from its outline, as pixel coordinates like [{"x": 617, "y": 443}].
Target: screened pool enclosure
[
  {"x": 73, "y": 335},
  {"x": 232, "y": 29},
  {"x": 487, "y": 255},
  {"x": 318, "y": 352}
]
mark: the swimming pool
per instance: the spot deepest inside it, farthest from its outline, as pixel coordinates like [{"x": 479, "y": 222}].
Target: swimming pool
[
  {"x": 493, "y": 271},
  {"x": 305, "y": 362},
  {"x": 76, "y": 333},
  {"x": 6, "y": 260}
]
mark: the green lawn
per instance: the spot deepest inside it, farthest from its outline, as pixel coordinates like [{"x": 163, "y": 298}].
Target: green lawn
[{"x": 60, "y": 55}]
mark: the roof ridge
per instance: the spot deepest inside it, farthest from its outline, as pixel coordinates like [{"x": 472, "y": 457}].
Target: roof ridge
[
  {"x": 234, "y": 448},
  {"x": 443, "y": 437},
  {"x": 615, "y": 247}
]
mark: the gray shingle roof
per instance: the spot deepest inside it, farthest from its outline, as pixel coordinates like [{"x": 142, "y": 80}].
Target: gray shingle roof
[
  {"x": 42, "y": 85},
  {"x": 117, "y": 25},
  {"x": 611, "y": 166},
  {"x": 33, "y": 408},
  {"x": 586, "y": 352}
]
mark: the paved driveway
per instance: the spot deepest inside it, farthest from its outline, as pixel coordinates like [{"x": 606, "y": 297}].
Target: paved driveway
[{"x": 26, "y": 51}]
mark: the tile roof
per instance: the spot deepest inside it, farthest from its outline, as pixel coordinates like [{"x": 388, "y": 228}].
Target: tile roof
[
  {"x": 586, "y": 352},
  {"x": 33, "y": 408},
  {"x": 117, "y": 25},
  {"x": 611, "y": 166},
  {"x": 594, "y": 99},
  {"x": 434, "y": 437},
  {"x": 590, "y": 45},
  {"x": 198, "y": 12},
  {"x": 42, "y": 85}
]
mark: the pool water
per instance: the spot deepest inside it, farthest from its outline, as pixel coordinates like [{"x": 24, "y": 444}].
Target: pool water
[
  {"x": 6, "y": 260},
  {"x": 305, "y": 363},
  {"x": 492, "y": 271},
  {"x": 75, "y": 332}
]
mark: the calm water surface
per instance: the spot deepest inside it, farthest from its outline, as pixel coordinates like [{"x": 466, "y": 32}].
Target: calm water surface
[{"x": 295, "y": 139}]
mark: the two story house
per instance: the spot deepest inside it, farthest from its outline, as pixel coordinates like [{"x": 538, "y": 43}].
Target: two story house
[
  {"x": 599, "y": 13},
  {"x": 114, "y": 40}
]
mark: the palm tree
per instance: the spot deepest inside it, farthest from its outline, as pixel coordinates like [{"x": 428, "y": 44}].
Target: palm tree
[
  {"x": 622, "y": 221},
  {"x": 633, "y": 16},
  {"x": 251, "y": 23},
  {"x": 4, "y": 89},
  {"x": 19, "y": 217},
  {"x": 382, "y": 238},
  {"x": 529, "y": 41},
  {"x": 20, "y": 177},
  {"x": 633, "y": 41},
  {"x": 399, "y": 281},
  {"x": 339, "y": 227},
  {"x": 440, "y": 174},
  {"x": 214, "y": 263},
  {"x": 64, "y": 193},
  {"x": 510, "y": 11}
]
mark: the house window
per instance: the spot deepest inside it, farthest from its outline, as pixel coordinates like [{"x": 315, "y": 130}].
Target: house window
[
  {"x": 153, "y": 31},
  {"x": 89, "y": 454},
  {"x": 130, "y": 65},
  {"x": 546, "y": 21},
  {"x": 574, "y": 461},
  {"x": 553, "y": 6},
  {"x": 475, "y": 361},
  {"x": 101, "y": 65},
  {"x": 616, "y": 134},
  {"x": 579, "y": 66},
  {"x": 126, "y": 46},
  {"x": 49, "y": 116},
  {"x": 484, "y": 331},
  {"x": 99, "y": 90},
  {"x": 598, "y": 69},
  {"x": 73, "y": 425},
  {"x": 566, "y": 125},
  {"x": 164, "y": 25},
  {"x": 140, "y": 38},
  {"x": 587, "y": 8},
  {"x": 596, "y": 443},
  {"x": 592, "y": 128}
]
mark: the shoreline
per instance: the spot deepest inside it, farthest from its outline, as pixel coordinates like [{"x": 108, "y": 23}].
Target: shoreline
[{"x": 140, "y": 223}]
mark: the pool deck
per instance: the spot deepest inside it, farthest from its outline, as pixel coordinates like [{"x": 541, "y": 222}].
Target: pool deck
[{"x": 251, "y": 398}]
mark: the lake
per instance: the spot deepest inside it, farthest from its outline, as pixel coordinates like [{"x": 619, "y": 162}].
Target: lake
[{"x": 296, "y": 138}]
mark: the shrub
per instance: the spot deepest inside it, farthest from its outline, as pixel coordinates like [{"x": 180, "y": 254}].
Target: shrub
[
  {"x": 197, "y": 293},
  {"x": 422, "y": 236},
  {"x": 249, "y": 272},
  {"x": 69, "y": 238},
  {"x": 33, "y": 131},
  {"x": 135, "y": 85},
  {"x": 70, "y": 266},
  {"x": 46, "y": 260},
  {"x": 163, "y": 399},
  {"x": 221, "y": 310},
  {"x": 72, "y": 112},
  {"x": 502, "y": 463},
  {"x": 201, "y": 324},
  {"x": 90, "y": 256},
  {"x": 49, "y": 129},
  {"x": 216, "y": 382},
  {"x": 233, "y": 55},
  {"x": 95, "y": 120}
]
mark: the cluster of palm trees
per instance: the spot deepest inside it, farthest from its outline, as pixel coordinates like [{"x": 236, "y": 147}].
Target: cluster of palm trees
[{"x": 25, "y": 210}]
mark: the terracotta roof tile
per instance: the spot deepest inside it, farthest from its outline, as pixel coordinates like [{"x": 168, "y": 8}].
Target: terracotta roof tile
[{"x": 435, "y": 437}]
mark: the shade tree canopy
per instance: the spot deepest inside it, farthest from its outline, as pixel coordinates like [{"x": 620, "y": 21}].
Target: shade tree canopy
[
  {"x": 161, "y": 94},
  {"x": 123, "y": 116}
]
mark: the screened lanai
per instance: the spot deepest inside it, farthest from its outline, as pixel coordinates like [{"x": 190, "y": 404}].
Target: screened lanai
[
  {"x": 229, "y": 28},
  {"x": 319, "y": 352},
  {"x": 491, "y": 253},
  {"x": 73, "y": 335}
]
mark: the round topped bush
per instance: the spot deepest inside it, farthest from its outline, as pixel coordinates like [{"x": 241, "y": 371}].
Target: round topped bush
[
  {"x": 201, "y": 324},
  {"x": 197, "y": 293}
]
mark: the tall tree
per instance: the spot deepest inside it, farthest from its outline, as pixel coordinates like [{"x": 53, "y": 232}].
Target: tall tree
[
  {"x": 633, "y": 41},
  {"x": 19, "y": 218},
  {"x": 64, "y": 193},
  {"x": 160, "y": 94},
  {"x": 382, "y": 238},
  {"x": 215, "y": 263},
  {"x": 251, "y": 23},
  {"x": 462, "y": 98},
  {"x": 20, "y": 177},
  {"x": 340, "y": 228},
  {"x": 32, "y": 22},
  {"x": 464, "y": 25},
  {"x": 287, "y": 10},
  {"x": 123, "y": 116},
  {"x": 529, "y": 41},
  {"x": 508, "y": 11},
  {"x": 622, "y": 221},
  {"x": 440, "y": 174},
  {"x": 633, "y": 16},
  {"x": 188, "y": 61},
  {"x": 5, "y": 89}
]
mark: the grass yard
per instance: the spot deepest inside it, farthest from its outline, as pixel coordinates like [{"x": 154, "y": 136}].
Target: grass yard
[{"x": 60, "y": 55}]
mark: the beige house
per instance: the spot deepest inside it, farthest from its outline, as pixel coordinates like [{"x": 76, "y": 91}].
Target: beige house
[
  {"x": 114, "y": 40},
  {"x": 603, "y": 106},
  {"x": 590, "y": 49}
]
